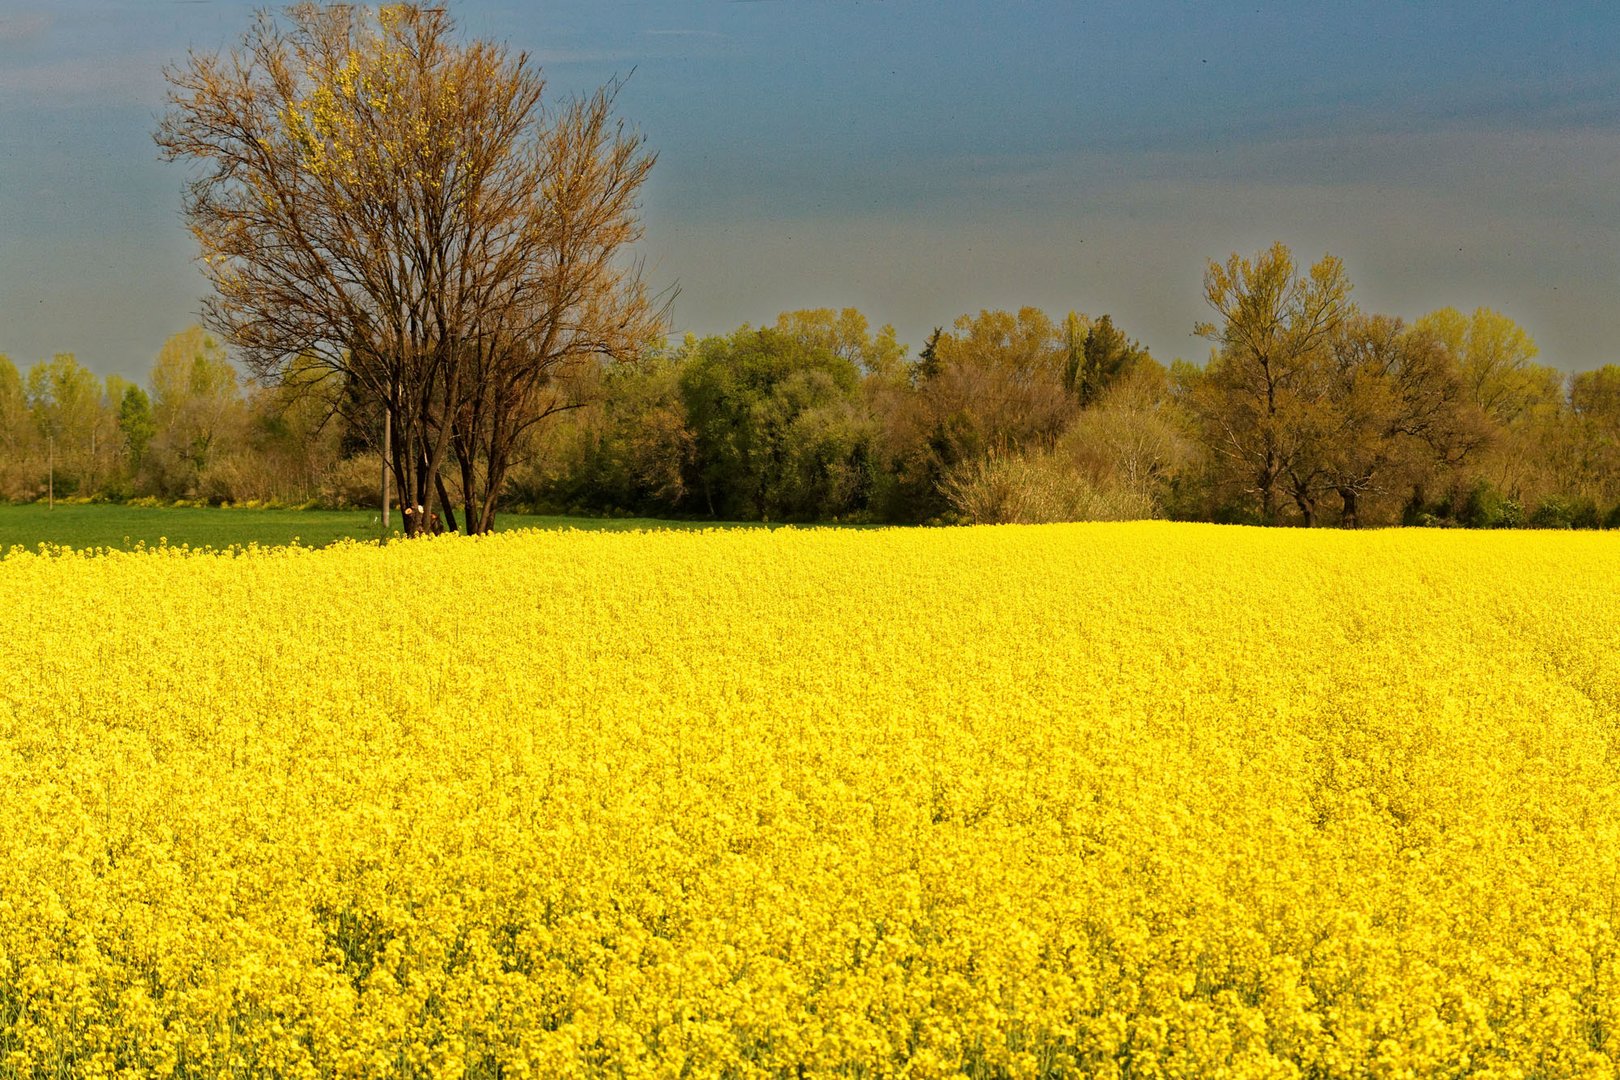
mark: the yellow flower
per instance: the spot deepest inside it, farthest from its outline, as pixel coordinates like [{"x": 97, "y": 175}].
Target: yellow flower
[{"x": 1092, "y": 800}]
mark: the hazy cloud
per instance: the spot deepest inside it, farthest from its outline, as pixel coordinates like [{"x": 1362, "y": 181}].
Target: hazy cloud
[
  {"x": 23, "y": 27},
  {"x": 135, "y": 78},
  {"x": 563, "y": 57}
]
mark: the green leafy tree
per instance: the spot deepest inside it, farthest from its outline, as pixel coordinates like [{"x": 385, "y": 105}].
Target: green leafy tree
[
  {"x": 197, "y": 410},
  {"x": 777, "y": 428},
  {"x": 629, "y": 450},
  {"x": 65, "y": 401},
  {"x": 1026, "y": 342},
  {"x": 927, "y": 365},
  {"x": 1106, "y": 356},
  {"x": 846, "y": 333},
  {"x": 18, "y": 436},
  {"x": 136, "y": 425},
  {"x": 1494, "y": 355},
  {"x": 1130, "y": 440},
  {"x": 1391, "y": 406},
  {"x": 994, "y": 384},
  {"x": 1521, "y": 400},
  {"x": 1000, "y": 384},
  {"x": 1594, "y": 431}
]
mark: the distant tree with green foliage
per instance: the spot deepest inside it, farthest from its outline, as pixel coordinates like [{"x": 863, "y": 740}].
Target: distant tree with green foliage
[
  {"x": 196, "y": 406},
  {"x": 1106, "y": 356},
  {"x": 17, "y": 435},
  {"x": 65, "y": 401},
  {"x": 1495, "y": 357},
  {"x": 136, "y": 425},
  {"x": 847, "y": 333},
  {"x": 927, "y": 364},
  {"x": 777, "y": 428}
]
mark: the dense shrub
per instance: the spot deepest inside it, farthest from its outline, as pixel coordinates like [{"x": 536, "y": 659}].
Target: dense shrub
[
  {"x": 1485, "y": 507},
  {"x": 355, "y": 482},
  {"x": 1561, "y": 512},
  {"x": 1038, "y": 488}
]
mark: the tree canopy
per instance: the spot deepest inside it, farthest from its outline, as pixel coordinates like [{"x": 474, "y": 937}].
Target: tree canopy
[
  {"x": 410, "y": 213},
  {"x": 1272, "y": 325}
]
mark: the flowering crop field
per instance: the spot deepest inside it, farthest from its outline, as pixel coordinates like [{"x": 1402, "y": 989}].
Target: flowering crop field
[{"x": 1099, "y": 800}]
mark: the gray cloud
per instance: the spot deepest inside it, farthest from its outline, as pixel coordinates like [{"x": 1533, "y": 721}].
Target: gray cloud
[
  {"x": 21, "y": 28},
  {"x": 567, "y": 57},
  {"x": 133, "y": 78}
]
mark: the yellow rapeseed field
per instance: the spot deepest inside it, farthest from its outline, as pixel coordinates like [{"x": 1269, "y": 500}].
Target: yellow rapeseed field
[{"x": 1112, "y": 800}]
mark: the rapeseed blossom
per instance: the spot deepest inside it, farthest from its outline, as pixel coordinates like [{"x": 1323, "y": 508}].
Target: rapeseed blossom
[{"x": 1142, "y": 800}]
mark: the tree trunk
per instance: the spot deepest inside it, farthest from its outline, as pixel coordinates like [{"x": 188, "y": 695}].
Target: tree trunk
[
  {"x": 494, "y": 476},
  {"x": 1269, "y": 474},
  {"x": 444, "y": 503},
  {"x": 469, "y": 491},
  {"x": 404, "y": 461},
  {"x": 1307, "y": 509},
  {"x": 1350, "y": 518}
]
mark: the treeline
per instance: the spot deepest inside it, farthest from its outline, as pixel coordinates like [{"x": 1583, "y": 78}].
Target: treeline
[
  {"x": 1308, "y": 411},
  {"x": 195, "y": 432}
]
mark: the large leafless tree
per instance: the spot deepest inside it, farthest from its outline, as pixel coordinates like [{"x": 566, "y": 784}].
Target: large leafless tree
[
  {"x": 1273, "y": 324},
  {"x": 411, "y": 214}
]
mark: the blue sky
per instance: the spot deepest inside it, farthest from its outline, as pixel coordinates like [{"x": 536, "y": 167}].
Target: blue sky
[{"x": 922, "y": 160}]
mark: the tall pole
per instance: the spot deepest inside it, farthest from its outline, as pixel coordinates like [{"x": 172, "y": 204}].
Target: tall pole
[{"x": 50, "y": 472}]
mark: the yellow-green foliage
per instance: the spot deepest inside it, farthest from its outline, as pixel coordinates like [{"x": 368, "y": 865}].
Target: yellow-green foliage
[{"x": 1101, "y": 800}]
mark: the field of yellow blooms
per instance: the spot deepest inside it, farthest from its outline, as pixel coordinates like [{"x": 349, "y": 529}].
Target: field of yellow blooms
[{"x": 1099, "y": 800}]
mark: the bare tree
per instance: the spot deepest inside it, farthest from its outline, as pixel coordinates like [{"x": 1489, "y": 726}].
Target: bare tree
[
  {"x": 404, "y": 210},
  {"x": 1253, "y": 397},
  {"x": 580, "y": 307},
  {"x": 1393, "y": 400}
]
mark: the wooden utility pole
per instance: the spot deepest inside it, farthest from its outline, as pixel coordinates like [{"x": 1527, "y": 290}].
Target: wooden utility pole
[{"x": 50, "y": 472}]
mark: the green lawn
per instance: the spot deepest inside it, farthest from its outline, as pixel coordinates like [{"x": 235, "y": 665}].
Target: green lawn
[{"x": 103, "y": 525}]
